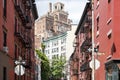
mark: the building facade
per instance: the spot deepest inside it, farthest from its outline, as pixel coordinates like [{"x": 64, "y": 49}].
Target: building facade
[
  {"x": 55, "y": 46},
  {"x": 80, "y": 58},
  {"x": 17, "y": 37},
  {"x": 106, "y": 20},
  {"x": 51, "y": 24},
  {"x": 61, "y": 45}
]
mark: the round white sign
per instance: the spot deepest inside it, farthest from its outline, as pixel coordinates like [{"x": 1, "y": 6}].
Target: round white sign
[
  {"x": 95, "y": 64},
  {"x": 19, "y": 70}
]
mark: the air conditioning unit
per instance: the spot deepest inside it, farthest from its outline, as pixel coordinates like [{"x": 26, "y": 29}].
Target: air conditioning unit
[{"x": 5, "y": 49}]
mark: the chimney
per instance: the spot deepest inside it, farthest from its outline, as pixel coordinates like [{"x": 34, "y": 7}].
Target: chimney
[{"x": 50, "y": 7}]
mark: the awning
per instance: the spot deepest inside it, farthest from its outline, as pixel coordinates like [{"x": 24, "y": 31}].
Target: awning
[{"x": 114, "y": 63}]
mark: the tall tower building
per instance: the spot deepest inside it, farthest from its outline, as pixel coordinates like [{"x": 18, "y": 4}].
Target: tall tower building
[{"x": 51, "y": 24}]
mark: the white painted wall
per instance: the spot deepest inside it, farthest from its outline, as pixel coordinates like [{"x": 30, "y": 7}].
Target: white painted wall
[{"x": 70, "y": 39}]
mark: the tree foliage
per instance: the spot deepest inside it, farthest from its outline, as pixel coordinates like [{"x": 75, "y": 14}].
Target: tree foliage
[
  {"x": 57, "y": 67},
  {"x": 45, "y": 67}
]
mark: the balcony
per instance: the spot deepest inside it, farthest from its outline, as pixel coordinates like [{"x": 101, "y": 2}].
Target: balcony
[
  {"x": 19, "y": 35},
  {"x": 20, "y": 11},
  {"x": 28, "y": 23},
  {"x": 28, "y": 64},
  {"x": 27, "y": 3},
  {"x": 88, "y": 19},
  {"x": 84, "y": 67},
  {"x": 75, "y": 71},
  {"x": 28, "y": 42},
  {"x": 86, "y": 45},
  {"x": 19, "y": 32}
]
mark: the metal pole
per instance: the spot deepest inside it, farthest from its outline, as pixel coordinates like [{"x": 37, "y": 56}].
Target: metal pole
[
  {"x": 93, "y": 57},
  {"x": 19, "y": 72},
  {"x": 20, "y": 60}
]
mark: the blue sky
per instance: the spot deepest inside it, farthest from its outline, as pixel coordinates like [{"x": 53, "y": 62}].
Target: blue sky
[{"x": 73, "y": 7}]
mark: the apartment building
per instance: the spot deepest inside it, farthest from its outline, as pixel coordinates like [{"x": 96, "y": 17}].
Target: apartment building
[
  {"x": 17, "y": 37},
  {"x": 81, "y": 57},
  {"x": 106, "y": 20},
  {"x": 53, "y": 23}
]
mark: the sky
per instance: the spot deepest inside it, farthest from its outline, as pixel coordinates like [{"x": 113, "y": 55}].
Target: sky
[{"x": 73, "y": 7}]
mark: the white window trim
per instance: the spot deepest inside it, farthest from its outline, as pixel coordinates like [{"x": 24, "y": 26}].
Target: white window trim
[
  {"x": 97, "y": 16},
  {"x": 97, "y": 33},
  {"x": 109, "y": 20},
  {"x": 98, "y": 3},
  {"x": 109, "y": 32}
]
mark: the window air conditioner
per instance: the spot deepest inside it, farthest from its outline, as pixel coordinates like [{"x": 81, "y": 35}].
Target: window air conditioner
[{"x": 5, "y": 49}]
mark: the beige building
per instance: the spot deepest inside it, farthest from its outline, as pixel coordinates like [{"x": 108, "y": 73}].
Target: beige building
[{"x": 51, "y": 24}]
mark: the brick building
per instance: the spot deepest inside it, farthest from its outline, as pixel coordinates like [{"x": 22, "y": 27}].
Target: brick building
[
  {"x": 107, "y": 18},
  {"x": 17, "y": 37},
  {"x": 79, "y": 61},
  {"x": 51, "y": 24}
]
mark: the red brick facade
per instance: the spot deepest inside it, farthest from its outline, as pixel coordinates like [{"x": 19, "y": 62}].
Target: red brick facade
[
  {"x": 17, "y": 37},
  {"x": 79, "y": 61},
  {"x": 107, "y": 30}
]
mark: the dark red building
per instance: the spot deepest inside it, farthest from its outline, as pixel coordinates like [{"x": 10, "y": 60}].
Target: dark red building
[
  {"x": 79, "y": 61},
  {"x": 17, "y": 37},
  {"x": 107, "y": 39}
]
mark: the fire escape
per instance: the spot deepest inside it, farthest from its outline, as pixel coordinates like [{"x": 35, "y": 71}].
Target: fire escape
[
  {"x": 86, "y": 29},
  {"x": 22, "y": 31}
]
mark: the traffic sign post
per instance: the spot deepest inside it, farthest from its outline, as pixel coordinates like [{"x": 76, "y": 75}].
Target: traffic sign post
[
  {"x": 19, "y": 69},
  {"x": 96, "y": 65}
]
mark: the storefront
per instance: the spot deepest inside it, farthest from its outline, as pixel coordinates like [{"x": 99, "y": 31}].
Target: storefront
[{"x": 112, "y": 68}]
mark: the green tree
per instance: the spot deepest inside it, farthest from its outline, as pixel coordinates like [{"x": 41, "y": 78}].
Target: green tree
[
  {"x": 43, "y": 47},
  {"x": 57, "y": 67},
  {"x": 45, "y": 67}
]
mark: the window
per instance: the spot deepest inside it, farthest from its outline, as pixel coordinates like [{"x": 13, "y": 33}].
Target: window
[
  {"x": 55, "y": 43},
  {"x": 15, "y": 51},
  {"x": 113, "y": 49},
  {"x": 97, "y": 4},
  {"x": 63, "y": 48},
  {"x": 55, "y": 7},
  {"x": 109, "y": 21},
  {"x": 16, "y": 2},
  {"x": 4, "y": 38},
  {"x": 48, "y": 45},
  {"x": 63, "y": 40},
  {"x": 4, "y": 73},
  {"x": 15, "y": 25},
  {"x": 63, "y": 55},
  {"x": 97, "y": 23},
  {"x": 19, "y": 51},
  {"x": 48, "y": 52},
  {"x": 109, "y": 1},
  {"x": 109, "y": 34},
  {"x": 61, "y": 7},
  {"x": 4, "y": 7}
]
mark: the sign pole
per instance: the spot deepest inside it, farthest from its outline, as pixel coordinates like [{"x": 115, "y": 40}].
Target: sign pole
[
  {"x": 93, "y": 57},
  {"x": 20, "y": 59},
  {"x": 20, "y": 72},
  {"x": 19, "y": 69}
]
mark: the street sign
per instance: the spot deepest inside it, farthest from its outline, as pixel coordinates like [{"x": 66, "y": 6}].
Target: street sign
[
  {"x": 19, "y": 70},
  {"x": 96, "y": 64}
]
